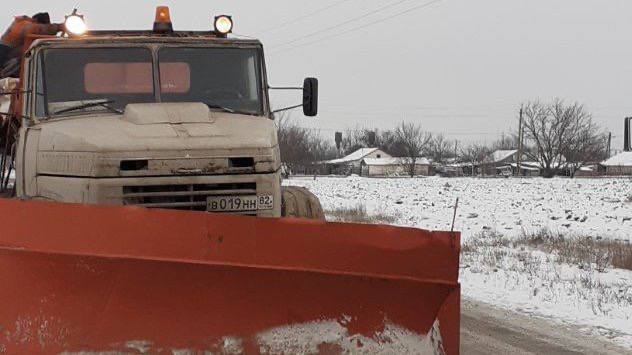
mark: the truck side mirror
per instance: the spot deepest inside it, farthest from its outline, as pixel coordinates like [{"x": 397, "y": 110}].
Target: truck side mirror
[{"x": 310, "y": 97}]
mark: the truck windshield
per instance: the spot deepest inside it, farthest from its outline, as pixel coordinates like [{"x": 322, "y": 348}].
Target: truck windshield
[
  {"x": 89, "y": 79},
  {"x": 81, "y": 80},
  {"x": 219, "y": 77}
]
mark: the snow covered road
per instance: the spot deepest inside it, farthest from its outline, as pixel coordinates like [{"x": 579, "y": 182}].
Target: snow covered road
[{"x": 489, "y": 330}]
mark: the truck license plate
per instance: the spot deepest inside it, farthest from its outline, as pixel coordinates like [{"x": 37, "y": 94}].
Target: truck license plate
[{"x": 239, "y": 203}]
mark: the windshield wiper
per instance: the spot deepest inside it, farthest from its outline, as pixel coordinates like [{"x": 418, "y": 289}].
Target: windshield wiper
[
  {"x": 102, "y": 103},
  {"x": 225, "y": 109},
  {"x": 230, "y": 110}
]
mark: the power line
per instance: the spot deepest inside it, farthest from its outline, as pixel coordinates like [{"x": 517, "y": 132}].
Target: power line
[
  {"x": 419, "y": 7},
  {"x": 469, "y": 133},
  {"x": 381, "y": 106},
  {"x": 302, "y": 17},
  {"x": 421, "y": 115},
  {"x": 381, "y": 113},
  {"x": 351, "y": 20}
]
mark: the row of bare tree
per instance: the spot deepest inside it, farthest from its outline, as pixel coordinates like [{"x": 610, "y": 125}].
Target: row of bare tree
[
  {"x": 302, "y": 146},
  {"x": 555, "y": 134},
  {"x": 561, "y": 135}
]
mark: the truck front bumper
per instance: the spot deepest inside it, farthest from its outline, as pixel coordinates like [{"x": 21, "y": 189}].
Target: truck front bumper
[{"x": 171, "y": 192}]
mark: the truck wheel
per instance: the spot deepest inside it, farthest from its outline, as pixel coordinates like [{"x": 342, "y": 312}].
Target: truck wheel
[{"x": 299, "y": 202}]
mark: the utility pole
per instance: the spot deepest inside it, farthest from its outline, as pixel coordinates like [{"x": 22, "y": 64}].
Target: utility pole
[
  {"x": 519, "y": 160},
  {"x": 627, "y": 134},
  {"x": 609, "y": 144}
]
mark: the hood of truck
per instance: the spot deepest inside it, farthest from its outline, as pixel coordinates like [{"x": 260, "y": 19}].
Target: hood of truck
[
  {"x": 158, "y": 132},
  {"x": 157, "y": 127}
]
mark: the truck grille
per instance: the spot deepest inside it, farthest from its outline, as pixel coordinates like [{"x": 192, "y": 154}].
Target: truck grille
[{"x": 184, "y": 197}]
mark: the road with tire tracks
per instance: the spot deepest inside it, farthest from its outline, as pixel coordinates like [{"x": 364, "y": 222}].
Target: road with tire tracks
[{"x": 489, "y": 330}]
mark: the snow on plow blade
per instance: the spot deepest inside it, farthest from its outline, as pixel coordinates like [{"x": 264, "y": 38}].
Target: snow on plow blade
[{"x": 78, "y": 278}]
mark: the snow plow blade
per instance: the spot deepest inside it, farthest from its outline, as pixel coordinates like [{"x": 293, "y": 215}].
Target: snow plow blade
[{"x": 80, "y": 278}]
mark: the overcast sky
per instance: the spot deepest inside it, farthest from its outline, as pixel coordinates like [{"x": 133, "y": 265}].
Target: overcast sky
[{"x": 459, "y": 67}]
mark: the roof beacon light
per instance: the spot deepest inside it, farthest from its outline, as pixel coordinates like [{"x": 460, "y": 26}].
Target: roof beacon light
[
  {"x": 75, "y": 24},
  {"x": 162, "y": 23},
  {"x": 223, "y": 25}
]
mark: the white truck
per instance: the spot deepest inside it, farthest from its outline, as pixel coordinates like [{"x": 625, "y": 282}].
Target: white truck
[{"x": 158, "y": 119}]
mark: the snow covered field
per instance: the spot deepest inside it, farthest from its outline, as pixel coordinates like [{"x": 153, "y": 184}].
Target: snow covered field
[
  {"x": 595, "y": 207},
  {"x": 492, "y": 214}
]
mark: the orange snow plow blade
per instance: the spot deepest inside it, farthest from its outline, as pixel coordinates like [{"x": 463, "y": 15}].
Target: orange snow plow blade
[{"x": 79, "y": 278}]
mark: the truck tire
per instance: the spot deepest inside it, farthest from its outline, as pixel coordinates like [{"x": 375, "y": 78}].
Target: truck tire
[{"x": 300, "y": 203}]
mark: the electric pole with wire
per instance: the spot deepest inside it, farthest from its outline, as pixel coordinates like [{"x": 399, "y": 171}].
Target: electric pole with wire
[{"x": 520, "y": 133}]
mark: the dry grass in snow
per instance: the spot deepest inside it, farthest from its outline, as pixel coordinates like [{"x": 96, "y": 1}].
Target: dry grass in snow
[
  {"x": 562, "y": 277},
  {"x": 581, "y": 251},
  {"x": 358, "y": 214}
]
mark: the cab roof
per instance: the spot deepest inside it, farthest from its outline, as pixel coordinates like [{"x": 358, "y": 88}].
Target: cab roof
[{"x": 111, "y": 37}]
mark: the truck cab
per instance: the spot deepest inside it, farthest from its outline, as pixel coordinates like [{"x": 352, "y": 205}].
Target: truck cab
[{"x": 157, "y": 119}]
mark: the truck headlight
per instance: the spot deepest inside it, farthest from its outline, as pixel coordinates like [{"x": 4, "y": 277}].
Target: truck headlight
[
  {"x": 75, "y": 24},
  {"x": 223, "y": 25}
]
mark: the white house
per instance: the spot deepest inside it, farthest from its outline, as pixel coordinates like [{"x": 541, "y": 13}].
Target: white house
[
  {"x": 352, "y": 162},
  {"x": 498, "y": 161},
  {"x": 504, "y": 156},
  {"x": 620, "y": 164},
  {"x": 526, "y": 169},
  {"x": 394, "y": 166}
]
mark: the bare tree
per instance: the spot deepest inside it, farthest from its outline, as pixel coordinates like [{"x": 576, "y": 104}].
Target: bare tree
[
  {"x": 476, "y": 155},
  {"x": 506, "y": 142},
  {"x": 413, "y": 140},
  {"x": 561, "y": 135},
  {"x": 388, "y": 142},
  {"x": 440, "y": 149},
  {"x": 587, "y": 146},
  {"x": 353, "y": 139},
  {"x": 301, "y": 147}
]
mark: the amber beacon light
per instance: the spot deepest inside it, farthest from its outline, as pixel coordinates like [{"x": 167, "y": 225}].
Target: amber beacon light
[{"x": 162, "y": 23}]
